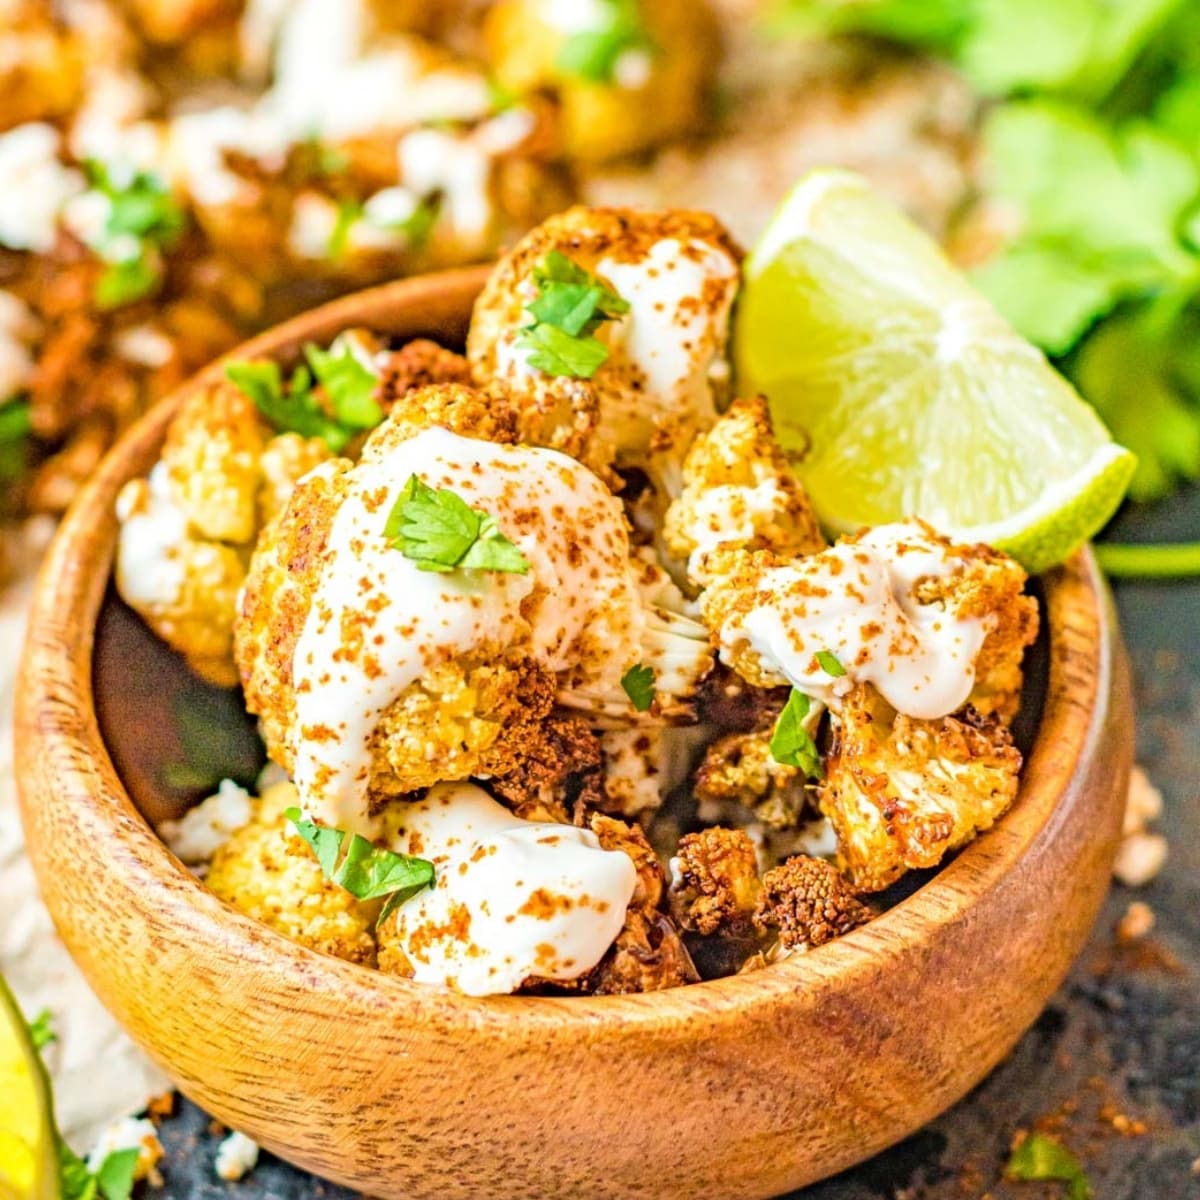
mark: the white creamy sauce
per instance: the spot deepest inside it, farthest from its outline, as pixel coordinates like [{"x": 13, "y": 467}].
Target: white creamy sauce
[
  {"x": 18, "y": 329},
  {"x": 145, "y": 345},
  {"x": 435, "y": 160},
  {"x": 34, "y": 186},
  {"x": 513, "y": 898},
  {"x": 675, "y": 329},
  {"x": 732, "y": 513},
  {"x": 151, "y": 572},
  {"x": 196, "y": 145},
  {"x": 856, "y": 601},
  {"x": 314, "y": 222},
  {"x": 377, "y": 621}
]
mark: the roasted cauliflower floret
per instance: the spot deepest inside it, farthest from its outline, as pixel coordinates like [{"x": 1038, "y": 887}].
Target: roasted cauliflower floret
[
  {"x": 188, "y": 529},
  {"x": 269, "y": 873},
  {"x": 648, "y": 954},
  {"x": 715, "y": 884},
  {"x": 739, "y": 492},
  {"x": 929, "y": 622},
  {"x": 631, "y": 74},
  {"x": 901, "y": 793},
  {"x": 740, "y": 768},
  {"x": 555, "y": 773},
  {"x": 809, "y": 902},
  {"x": 663, "y": 369},
  {"x": 461, "y": 409},
  {"x": 416, "y": 364}
]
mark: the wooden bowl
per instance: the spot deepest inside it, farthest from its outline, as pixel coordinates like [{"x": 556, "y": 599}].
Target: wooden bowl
[{"x": 739, "y": 1087}]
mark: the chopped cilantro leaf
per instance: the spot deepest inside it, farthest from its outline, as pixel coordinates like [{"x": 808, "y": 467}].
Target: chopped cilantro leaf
[
  {"x": 593, "y": 54},
  {"x": 558, "y": 353},
  {"x": 16, "y": 425},
  {"x": 791, "y": 743},
  {"x": 638, "y": 683},
  {"x": 294, "y": 409},
  {"x": 349, "y": 384},
  {"x": 829, "y": 664},
  {"x": 41, "y": 1030},
  {"x": 126, "y": 281},
  {"x": 439, "y": 531},
  {"x": 1040, "y": 1157},
  {"x": 115, "y": 1174},
  {"x": 366, "y": 871},
  {"x": 349, "y": 213},
  {"x": 570, "y": 306}
]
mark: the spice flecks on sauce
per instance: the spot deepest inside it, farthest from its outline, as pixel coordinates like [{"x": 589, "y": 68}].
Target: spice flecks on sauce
[
  {"x": 513, "y": 898},
  {"x": 857, "y": 602},
  {"x": 377, "y": 622}
]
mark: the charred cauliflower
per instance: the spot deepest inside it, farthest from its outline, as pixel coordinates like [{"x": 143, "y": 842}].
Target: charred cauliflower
[
  {"x": 901, "y": 792},
  {"x": 809, "y": 902},
  {"x": 715, "y": 882}
]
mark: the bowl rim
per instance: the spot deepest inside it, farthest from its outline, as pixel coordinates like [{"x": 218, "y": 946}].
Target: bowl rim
[{"x": 60, "y": 738}]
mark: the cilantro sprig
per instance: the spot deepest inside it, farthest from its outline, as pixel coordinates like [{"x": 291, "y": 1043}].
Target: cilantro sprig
[
  {"x": 570, "y": 306},
  {"x": 439, "y": 531},
  {"x": 828, "y": 662},
  {"x": 144, "y": 218},
  {"x": 638, "y": 683},
  {"x": 791, "y": 743},
  {"x": 595, "y": 54},
  {"x": 345, "y": 407},
  {"x": 1039, "y": 1157},
  {"x": 16, "y": 428},
  {"x": 366, "y": 871}
]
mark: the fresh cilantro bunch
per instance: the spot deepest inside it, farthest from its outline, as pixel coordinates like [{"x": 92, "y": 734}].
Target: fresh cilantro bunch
[
  {"x": 440, "y": 531},
  {"x": 366, "y": 871},
  {"x": 344, "y": 407},
  {"x": 594, "y": 54},
  {"x": 571, "y": 305},
  {"x": 143, "y": 220}
]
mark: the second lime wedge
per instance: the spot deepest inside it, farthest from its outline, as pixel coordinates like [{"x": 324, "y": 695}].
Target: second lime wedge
[
  {"x": 28, "y": 1163},
  {"x": 908, "y": 394}
]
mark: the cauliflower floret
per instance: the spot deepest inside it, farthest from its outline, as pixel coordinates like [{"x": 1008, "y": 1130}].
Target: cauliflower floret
[
  {"x": 187, "y": 530},
  {"x": 654, "y": 90},
  {"x": 740, "y": 768},
  {"x": 901, "y": 793},
  {"x": 459, "y": 408},
  {"x": 648, "y": 954},
  {"x": 739, "y": 492},
  {"x": 417, "y": 364},
  {"x": 665, "y": 368},
  {"x": 715, "y": 883},
  {"x": 267, "y": 871},
  {"x": 898, "y": 604},
  {"x": 809, "y": 902},
  {"x": 555, "y": 773}
]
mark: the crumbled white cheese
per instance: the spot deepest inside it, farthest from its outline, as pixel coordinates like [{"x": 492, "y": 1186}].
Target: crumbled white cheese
[
  {"x": 236, "y": 1157},
  {"x": 144, "y": 345},
  {"x": 201, "y": 831},
  {"x": 34, "y": 186},
  {"x": 132, "y": 1133}
]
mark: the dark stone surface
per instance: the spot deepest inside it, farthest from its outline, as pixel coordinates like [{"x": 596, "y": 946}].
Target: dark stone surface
[{"x": 1121, "y": 1040}]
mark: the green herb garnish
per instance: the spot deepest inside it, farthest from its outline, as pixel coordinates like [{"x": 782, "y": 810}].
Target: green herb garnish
[
  {"x": 594, "y": 54},
  {"x": 347, "y": 382},
  {"x": 41, "y": 1030},
  {"x": 349, "y": 213},
  {"x": 143, "y": 219},
  {"x": 366, "y": 871},
  {"x": 440, "y": 531},
  {"x": 16, "y": 425},
  {"x": 638, "y": 683},
  {"x": 1040, "y": 1157},
  {"x": 571, "y": 305},
  {"x": 829, "y": 664},
  {"x": 791, "y": 743}
]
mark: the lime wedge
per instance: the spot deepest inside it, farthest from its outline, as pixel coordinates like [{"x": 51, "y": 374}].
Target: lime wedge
[
  {"x": 28, "y": 1163},
  {"x": 907, "y": 393}
]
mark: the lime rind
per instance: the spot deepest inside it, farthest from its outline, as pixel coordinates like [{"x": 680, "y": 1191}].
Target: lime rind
[
  {"x": 905, "y": 393},
  {"x": 28, "y": 1158}
]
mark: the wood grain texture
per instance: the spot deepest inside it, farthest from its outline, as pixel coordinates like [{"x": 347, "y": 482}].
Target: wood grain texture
[{"x": 740, "y": 1087}]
